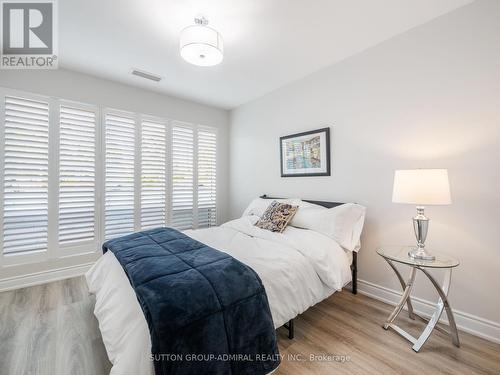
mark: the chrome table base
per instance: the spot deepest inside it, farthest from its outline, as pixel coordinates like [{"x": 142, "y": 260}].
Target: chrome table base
[{"x": 441, "y": 305}]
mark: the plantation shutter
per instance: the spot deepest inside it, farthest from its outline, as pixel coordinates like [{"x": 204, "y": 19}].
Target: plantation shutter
[
  {"x": 153, "y": 188},
  {"x": 207, "y": 149},
  {"x": 182, "y": 177},
  {"x": 25, "y": 175},
  {"x": 119, "y": 175},
  {"x": 77, "y": 132}
]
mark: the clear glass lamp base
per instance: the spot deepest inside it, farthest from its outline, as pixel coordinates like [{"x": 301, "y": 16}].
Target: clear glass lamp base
[{"x": 420, "y": 253}]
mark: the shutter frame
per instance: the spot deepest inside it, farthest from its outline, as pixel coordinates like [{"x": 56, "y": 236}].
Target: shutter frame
[
  {"x": 153, "y": 162},
  {"x": 183, "y": 198},
  {"x": 207, "y": 176},
  {"x": 78, "y": 123},
  {"x": 24, "y": 130},
  {"x": 119, "y": 195}
]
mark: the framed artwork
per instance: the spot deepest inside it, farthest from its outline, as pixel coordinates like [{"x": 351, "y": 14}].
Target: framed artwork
[{"x": 306, "y": 154}]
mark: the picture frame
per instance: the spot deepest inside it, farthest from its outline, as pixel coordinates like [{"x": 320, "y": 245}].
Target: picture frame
[{"x": 305, "y": 154}]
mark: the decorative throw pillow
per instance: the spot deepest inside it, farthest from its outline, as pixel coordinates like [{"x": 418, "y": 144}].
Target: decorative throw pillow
[{"x": 277, "y": 216}]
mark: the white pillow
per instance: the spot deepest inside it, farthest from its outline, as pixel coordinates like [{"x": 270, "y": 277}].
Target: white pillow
[
  {"x": 304, "y": 204},
  {"x": 343, "y": 223},
  {"x": 259, "y": 205}
]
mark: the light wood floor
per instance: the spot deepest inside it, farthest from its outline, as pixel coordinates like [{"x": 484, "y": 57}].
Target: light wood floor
[{"x": 51, "y": 330}]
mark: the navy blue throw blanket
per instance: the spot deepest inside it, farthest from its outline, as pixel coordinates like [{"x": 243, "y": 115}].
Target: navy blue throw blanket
[{"x": 207, "y": 312}]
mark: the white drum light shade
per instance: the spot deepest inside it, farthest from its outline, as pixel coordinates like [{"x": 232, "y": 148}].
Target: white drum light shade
[
  {"x": 201, "y": 45},
  {"x": 421, "y": 186}
]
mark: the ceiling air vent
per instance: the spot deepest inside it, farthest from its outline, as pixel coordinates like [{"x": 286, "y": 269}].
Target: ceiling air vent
[{"x": 146, "y": 75}]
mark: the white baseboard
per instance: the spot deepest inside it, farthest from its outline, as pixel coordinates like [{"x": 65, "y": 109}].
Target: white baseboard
[
  {"x": 472, "y": 324},
  {"x": 43, "y": 277}
]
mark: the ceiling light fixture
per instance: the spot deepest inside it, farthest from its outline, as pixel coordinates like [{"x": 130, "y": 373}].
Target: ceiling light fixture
[{"x": 201, "y": 45}]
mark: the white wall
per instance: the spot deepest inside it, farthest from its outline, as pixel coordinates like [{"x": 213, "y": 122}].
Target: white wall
[
  {"x": 428, "y": 98},
  {"x": 87, "y": 89}
]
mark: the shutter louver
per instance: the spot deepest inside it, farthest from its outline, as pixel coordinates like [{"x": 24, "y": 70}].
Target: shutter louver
[
  {"x": 153, "y": 159},
  {"x": 77, "y": 130},
  {"x": 119, "y": 175},
  {"x": 26, "y": 147},
  {"x": 182, "y": 177},
  {"x": 207, "y": 149}
]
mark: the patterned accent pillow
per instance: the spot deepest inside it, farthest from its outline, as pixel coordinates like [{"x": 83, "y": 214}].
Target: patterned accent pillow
[{"x": 277, "y": 216}]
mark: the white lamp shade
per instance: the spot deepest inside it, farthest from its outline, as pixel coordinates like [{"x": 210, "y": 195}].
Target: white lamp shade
[
  {"x": 421, "y": 186},
  {"x": 201, "y": 45}
]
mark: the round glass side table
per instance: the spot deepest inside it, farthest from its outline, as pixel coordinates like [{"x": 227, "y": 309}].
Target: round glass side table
[{"x": 399, "y": 254}]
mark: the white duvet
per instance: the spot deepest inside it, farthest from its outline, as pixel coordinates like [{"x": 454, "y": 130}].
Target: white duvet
[{"x": 298, "y": 268}]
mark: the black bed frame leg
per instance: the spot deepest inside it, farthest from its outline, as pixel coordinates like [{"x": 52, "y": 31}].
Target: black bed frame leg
[
  {"x": 289, "y": 327},
  {"x": 354, "y": 270},
  {"x": 291, "y": 330}
]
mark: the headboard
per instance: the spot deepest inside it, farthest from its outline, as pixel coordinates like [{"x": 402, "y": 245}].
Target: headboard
[
  {"x": 319, "y": 203},
  {"x": 354, "y": 265}
]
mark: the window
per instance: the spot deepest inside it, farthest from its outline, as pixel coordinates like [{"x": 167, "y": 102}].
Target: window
[
  {"x": 73, "y": 175},
  {"x": 182, "y": 176},
  {"x": 153, "y": 174},
  {"x": 77, "y": 149},
  {"x": 207, "y": 149},
  {"x": 25, "y": 175},
  {"x": 119, "y": 174}
]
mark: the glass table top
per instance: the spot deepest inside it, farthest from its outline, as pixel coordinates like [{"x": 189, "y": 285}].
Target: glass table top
[{"x": 400, "y": 254}]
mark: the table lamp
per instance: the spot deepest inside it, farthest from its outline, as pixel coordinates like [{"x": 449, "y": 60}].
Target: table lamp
[{"x": 421, "y": 187}]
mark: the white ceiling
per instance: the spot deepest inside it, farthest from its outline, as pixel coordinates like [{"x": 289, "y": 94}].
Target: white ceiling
[{"x": 267, "y": 43}]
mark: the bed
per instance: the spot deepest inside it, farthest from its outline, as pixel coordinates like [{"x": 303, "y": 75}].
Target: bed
[{"x": 298, "y": 268}]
